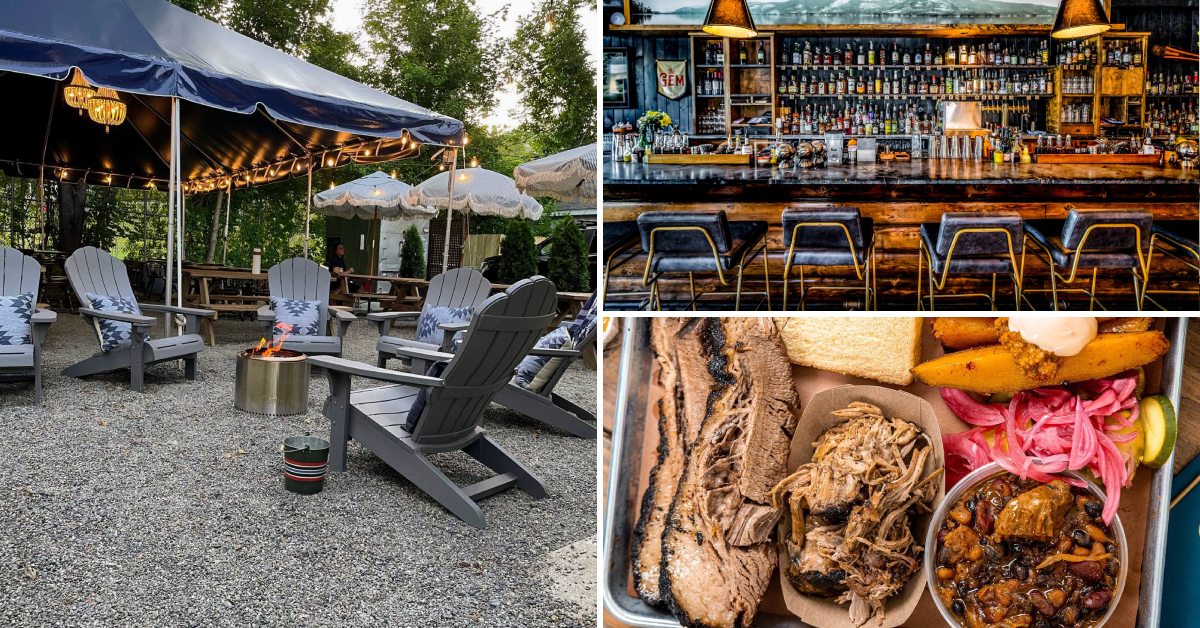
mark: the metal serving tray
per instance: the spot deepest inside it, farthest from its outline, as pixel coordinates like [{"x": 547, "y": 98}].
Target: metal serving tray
[{"x": 624, "y": 468}]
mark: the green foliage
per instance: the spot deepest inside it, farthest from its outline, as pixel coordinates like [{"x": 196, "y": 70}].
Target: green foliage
[
  {"x": 412, "y": 254},
  {"x": 548, "y": 61},
  {"x": 518, "y": 256},
  {"x": 440, "y": 54},
  {"x": 569, "y": 257}
]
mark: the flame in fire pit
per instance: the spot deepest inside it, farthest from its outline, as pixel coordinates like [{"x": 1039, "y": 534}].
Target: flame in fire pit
[{"x": 266, "y": 348}]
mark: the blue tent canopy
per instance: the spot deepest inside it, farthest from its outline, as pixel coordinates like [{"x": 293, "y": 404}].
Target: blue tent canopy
[{"x": 248, "y": 111}]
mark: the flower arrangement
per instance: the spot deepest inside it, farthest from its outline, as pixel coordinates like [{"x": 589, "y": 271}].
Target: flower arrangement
[{"x": 654, "y": 121}]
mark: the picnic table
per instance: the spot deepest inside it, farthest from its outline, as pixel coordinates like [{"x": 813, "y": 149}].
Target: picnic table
[
  {"x": 569, "y": 303},
  {"x": 404, "y": 293},
  {"x": 201, "y": 295}
]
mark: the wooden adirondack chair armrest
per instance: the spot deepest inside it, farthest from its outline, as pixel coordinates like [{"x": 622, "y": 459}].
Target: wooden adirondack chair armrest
[
  {"x": 554, "y": 353},
  {"x": 358, "y": 369},
  {"x": 454, "y": 327},
  {"x": 172, "y": 309},
  {"x": 40, "y": 322},
  {"x": 383, "y": 320},
  {"x": 266, "y": 314},
  {"x": 132, "y": 319},
  {"x": 341, "y": 320},
  {"x": 428, "y": 355}
]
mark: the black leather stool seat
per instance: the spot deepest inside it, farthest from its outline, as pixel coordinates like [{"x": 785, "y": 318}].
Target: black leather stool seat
[
  {"x": 1184, "y": 233},
  {"x": 964, "y": 264},
  {"x": 618, "y": 236},
  {"x": 1104, "y": 248},
  {"x": 743, "y": 236},
  {"x": 827, "y": 246},
  {"x": 689, "y": 250},
  {"x": 974, "y": 253}
]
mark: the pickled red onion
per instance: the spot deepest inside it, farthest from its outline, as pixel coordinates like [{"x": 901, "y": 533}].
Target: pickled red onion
[{"x": 1045, "y": 431}]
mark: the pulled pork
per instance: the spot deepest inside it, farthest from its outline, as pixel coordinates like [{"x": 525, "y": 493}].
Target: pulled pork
[{"x": 851, "y": 510}]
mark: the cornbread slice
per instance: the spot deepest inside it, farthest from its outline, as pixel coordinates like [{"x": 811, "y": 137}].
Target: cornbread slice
[{"x": 880, "y": 348}]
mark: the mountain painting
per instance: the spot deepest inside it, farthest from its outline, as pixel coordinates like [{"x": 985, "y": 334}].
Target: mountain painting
[{"x": 775, "y": 12}]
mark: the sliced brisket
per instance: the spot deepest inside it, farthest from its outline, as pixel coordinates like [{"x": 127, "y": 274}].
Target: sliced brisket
[
  {"x": 716, "y": 550},
  {"x": 684, "y": 378}
]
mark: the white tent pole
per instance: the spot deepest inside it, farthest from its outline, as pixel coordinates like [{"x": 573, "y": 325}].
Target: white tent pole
[
  {"x": 449, "y": 211},
  {"x": 308, "y": 207},
  {"x": 179, "y": 287},
  {"x": 228, "y": 204},
  {"x": 170, "y": 274}
]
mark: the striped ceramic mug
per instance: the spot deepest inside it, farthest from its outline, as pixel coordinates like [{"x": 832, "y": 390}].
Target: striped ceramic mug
[{"x": 305, "y": 459}]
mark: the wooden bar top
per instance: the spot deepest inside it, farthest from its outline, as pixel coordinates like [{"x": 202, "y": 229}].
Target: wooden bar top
[{"x": 919, "y": 179}]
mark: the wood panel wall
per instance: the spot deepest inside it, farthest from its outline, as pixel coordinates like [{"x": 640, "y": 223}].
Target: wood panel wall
[{"x": 644, "y": 52}]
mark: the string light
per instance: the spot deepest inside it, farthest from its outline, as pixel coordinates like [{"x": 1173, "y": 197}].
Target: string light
[{"x": 474, "y": 162}]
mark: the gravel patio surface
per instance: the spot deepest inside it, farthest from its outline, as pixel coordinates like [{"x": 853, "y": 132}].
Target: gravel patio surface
[{"x": 168, "y": 509}]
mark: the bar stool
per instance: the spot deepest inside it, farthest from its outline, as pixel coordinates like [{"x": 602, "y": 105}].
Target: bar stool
[
  {"x": 968, "y": 243},
  {"x": 704, "y": 242},
  {"x": 620, "y": 239},
  {"x": 828, "y": 237},
  {"x": 1095, "y": 240},
  {"x": 1177, "y": 239}
]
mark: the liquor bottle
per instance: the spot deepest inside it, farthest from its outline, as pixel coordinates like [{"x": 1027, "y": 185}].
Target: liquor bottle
[
  {"x": 1137, "y": 54},
  {"x": 906, "y": 58},
  {"x": 951, "y": 56},
  {"x": 895, "y": 54},
  {"x": 796, "y": 56},
  {"x": 761, "y": 57},
  {"x": 962, "y": 53},
  {"x": 871, "y": 52},
  {"x": 887, "y": 84},
  {"x": 928, "y": 58},
  {"x": 972, "y": 58},
  {"x": 878, "y": 82},
  {"x": 850, "y": 83},
  {"x": 783, "y": 84},
  {"x": 793, "y": 87},
  {"x": 848, "y": 57},
  {"x": 720, "y": 53},
  {"x": 742, "y": 52},
  {"x": 1044, "y": 53}
]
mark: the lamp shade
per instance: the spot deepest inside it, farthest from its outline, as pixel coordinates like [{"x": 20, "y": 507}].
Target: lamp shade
[
  {"x": 729, "y": 18},
  {"x": 1080, "y": 18}
]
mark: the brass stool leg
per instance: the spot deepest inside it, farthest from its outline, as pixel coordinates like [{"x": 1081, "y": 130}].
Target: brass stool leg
[
  {"x": 766, "y": 277},
  {"x": 1137, "y": 289},
  {"x": 803, "y": 292},
  {"x": 692, "y": 288},
  {"x": 993, "y": 297},
  {"x": 787, "y": 273},
  {"x": 920, "y": 275},
  {"x": 1092, "y": 291},
  {"x": 1053, "y": 285},
  {"x": 737, "y": 301}
]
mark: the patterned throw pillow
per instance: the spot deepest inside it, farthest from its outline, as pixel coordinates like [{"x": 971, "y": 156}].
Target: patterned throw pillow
[
  {"x": 303, "y": 316},
  {"x": 15, "y": 313},
  {"x": 585, "y": 321},
  {"x": 535, "y": 370},
  {"x": 418, "y": 405},
  {"x": 113, "y": 334},
  {"x": 427, "y": 326}
]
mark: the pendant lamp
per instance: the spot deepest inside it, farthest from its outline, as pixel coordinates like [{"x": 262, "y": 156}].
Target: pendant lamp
[
  {"x": 1080, "y": 18},
  {"x": 729, "y": 18}
]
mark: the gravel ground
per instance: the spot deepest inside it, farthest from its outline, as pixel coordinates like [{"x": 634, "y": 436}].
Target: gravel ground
[{"x": 168, "y": 509}]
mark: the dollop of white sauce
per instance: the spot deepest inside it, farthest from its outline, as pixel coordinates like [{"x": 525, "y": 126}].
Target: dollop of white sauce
[{"x": 1061, "y": 335}]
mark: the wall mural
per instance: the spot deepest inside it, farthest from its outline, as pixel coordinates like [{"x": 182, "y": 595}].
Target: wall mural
[{"x": 775, "y": 12}]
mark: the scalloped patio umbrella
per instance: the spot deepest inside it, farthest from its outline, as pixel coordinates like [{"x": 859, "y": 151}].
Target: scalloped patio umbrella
[
  {"x": 566, "y": 176},
  {"x": 376, "y": 196},
  {"x": 474, "y": 191}
]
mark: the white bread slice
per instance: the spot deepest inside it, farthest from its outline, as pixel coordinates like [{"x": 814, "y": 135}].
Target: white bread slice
[{"x": 880, "y": 348}]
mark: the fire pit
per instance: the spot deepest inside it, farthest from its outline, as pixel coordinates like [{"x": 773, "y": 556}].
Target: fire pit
[{"x": 271, "y": 380}]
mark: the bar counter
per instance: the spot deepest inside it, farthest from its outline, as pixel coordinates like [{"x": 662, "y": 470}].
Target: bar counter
[
  {"x": 919, "y": 179},
  {"x": 899, "y": 197}
]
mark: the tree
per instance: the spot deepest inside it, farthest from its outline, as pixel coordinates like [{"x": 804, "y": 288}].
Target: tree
[
  {"x": 547, "y": 58},
  {"x": 440, "y": 54},
  {"x": 569, "y": 257},
  {"x": 518, "y": 255},
  {"x": 412, "y": 254}
]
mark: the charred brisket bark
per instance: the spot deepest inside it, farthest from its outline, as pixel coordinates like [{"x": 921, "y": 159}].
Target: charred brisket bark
[{"x": 717, "y": 556}]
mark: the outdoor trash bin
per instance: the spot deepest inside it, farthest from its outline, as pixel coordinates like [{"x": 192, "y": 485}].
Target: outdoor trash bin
[{"x": 305, "y": 459}]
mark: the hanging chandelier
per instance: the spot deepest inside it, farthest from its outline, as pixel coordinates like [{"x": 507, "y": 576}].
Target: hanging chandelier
[
  {"x": 106, "y": 108},
  {"x": 78, "y": 91}
]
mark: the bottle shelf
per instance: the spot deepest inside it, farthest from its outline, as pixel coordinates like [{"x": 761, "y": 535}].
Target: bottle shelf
[{"x": 789, "y": 66}]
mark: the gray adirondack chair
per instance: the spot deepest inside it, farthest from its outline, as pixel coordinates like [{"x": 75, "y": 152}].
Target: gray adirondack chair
[
  {"x": 20, "y": 273},
  {"x": 90, "y": 269},
  {"x": 300, "y": 278},
  {"x": 544, "y": 405},
  {"x": 459, "y": 287},
  {"x": 502, "y": 330}
]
